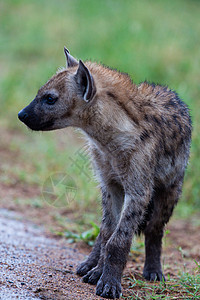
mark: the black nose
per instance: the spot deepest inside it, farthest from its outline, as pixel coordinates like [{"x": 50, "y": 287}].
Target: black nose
[{"x": 22, "y": 115}]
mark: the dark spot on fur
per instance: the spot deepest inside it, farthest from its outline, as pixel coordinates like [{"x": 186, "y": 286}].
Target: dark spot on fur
[
  {"x": 148, "y": 103},
  {"x": 153, "y": 85},
  {"x": 68, "y": 114},
  {"x": 156, "y": 120},
  {"x": 160, "y": 146},
  {"x": 124, "y": 108},
  {"x": 128, "y": 217},
  {"x": 126, "y": 232},
  {"x": 137, "y": 105},
  {"x": 169, "y": 125},
  {"x": 188, "y": 130},
  {"x": 146, "y": 117},
  {"x": 140, "y": 213},
  {"x": 174, "y": 134},
  {"x": 171, "y": 103},
  {"x": 119, "y": 231},
  {"x": 176, "y": 121},
  {"x": 144, "y": 135},
  {"x": 181, "y": 141},
  {"x": 183, "y": 113},
  {"x": 168, "y": 150},
  {"x": 110, "y": 94}
]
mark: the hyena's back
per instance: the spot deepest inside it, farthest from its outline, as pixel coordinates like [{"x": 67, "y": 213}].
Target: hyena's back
[{"x": 165, "y": 127}]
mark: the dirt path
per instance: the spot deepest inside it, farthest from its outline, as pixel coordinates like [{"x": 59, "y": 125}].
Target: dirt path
[{"x": 34, "y": 266}]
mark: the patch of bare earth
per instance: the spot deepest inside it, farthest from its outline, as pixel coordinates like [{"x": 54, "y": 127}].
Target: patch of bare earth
[{"x": 34, "y": 266}]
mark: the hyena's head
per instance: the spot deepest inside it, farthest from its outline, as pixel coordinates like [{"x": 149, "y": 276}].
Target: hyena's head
[{"x": 58, "y": 102}]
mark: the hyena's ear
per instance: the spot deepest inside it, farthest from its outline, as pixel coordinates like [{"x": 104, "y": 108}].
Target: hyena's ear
[
  {"x": 85, "y": 82},
  {"x": 70, "y": 60}
]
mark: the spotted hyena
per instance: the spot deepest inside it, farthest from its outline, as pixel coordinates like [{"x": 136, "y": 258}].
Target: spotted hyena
[{"x": 139, "y": 139}]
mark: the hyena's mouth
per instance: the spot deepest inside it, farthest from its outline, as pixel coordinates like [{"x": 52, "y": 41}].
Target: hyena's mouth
[
  {"x": 46, "y": 126},
  {"x": 33, "y": 122}
]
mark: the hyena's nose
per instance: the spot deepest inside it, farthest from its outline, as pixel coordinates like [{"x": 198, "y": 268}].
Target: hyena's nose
[{"x": 22, "y": 115}]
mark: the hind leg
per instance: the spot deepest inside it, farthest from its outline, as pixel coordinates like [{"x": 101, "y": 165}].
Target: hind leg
[
  {"x": 164, "y": 201},
  {"x": 153, "y": 247}
]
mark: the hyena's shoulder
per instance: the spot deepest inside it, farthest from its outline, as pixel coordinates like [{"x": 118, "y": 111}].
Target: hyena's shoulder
[{"x": 164, "y": 104}]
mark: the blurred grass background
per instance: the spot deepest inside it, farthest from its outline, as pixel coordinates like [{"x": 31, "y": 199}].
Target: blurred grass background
[{"x": 156, "y": 40}]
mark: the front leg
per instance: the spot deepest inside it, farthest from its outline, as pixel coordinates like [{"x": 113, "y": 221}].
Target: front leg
[
  {"x": 93, "y": 275},
  {"x": 92, "y": 259},
  {"x": 118, "y": 246},
  {"x": 112, "y": 201}
]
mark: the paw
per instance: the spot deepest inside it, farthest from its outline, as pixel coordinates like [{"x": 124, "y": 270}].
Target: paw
[
  {"x": 93, "y": 275},
  {"x": 108, "y": 287},
  {"x": 83, "y": 268},
  {"x": 153, "y": 275}
]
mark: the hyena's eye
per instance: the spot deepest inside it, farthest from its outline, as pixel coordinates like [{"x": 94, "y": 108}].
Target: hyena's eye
[{"x": 49, "y": 99}]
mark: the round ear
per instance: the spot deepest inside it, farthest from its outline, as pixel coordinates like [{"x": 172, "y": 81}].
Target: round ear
[
  {"x": 85, "y": 82},
  {"x": 70, "y": 60}
]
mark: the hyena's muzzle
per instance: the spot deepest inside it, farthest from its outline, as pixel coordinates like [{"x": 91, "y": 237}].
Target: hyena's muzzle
[{"x": 34, "y": 118}]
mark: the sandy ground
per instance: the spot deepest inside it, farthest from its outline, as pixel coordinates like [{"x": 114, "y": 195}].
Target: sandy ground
[{"x": 34, "y": 266}]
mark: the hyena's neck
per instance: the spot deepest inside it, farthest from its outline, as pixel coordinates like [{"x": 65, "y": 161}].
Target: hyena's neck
[
  {"x": 109, "y": 128},
  {"x": 111, "y": 119}
]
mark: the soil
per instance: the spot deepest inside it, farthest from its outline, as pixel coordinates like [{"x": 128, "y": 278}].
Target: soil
[{"x": 36, "y": 264}]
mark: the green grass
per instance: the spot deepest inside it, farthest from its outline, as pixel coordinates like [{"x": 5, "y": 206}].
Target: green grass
[
  {"x": 186, "y": 287},
  {"x": 88, "y": 236}
]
